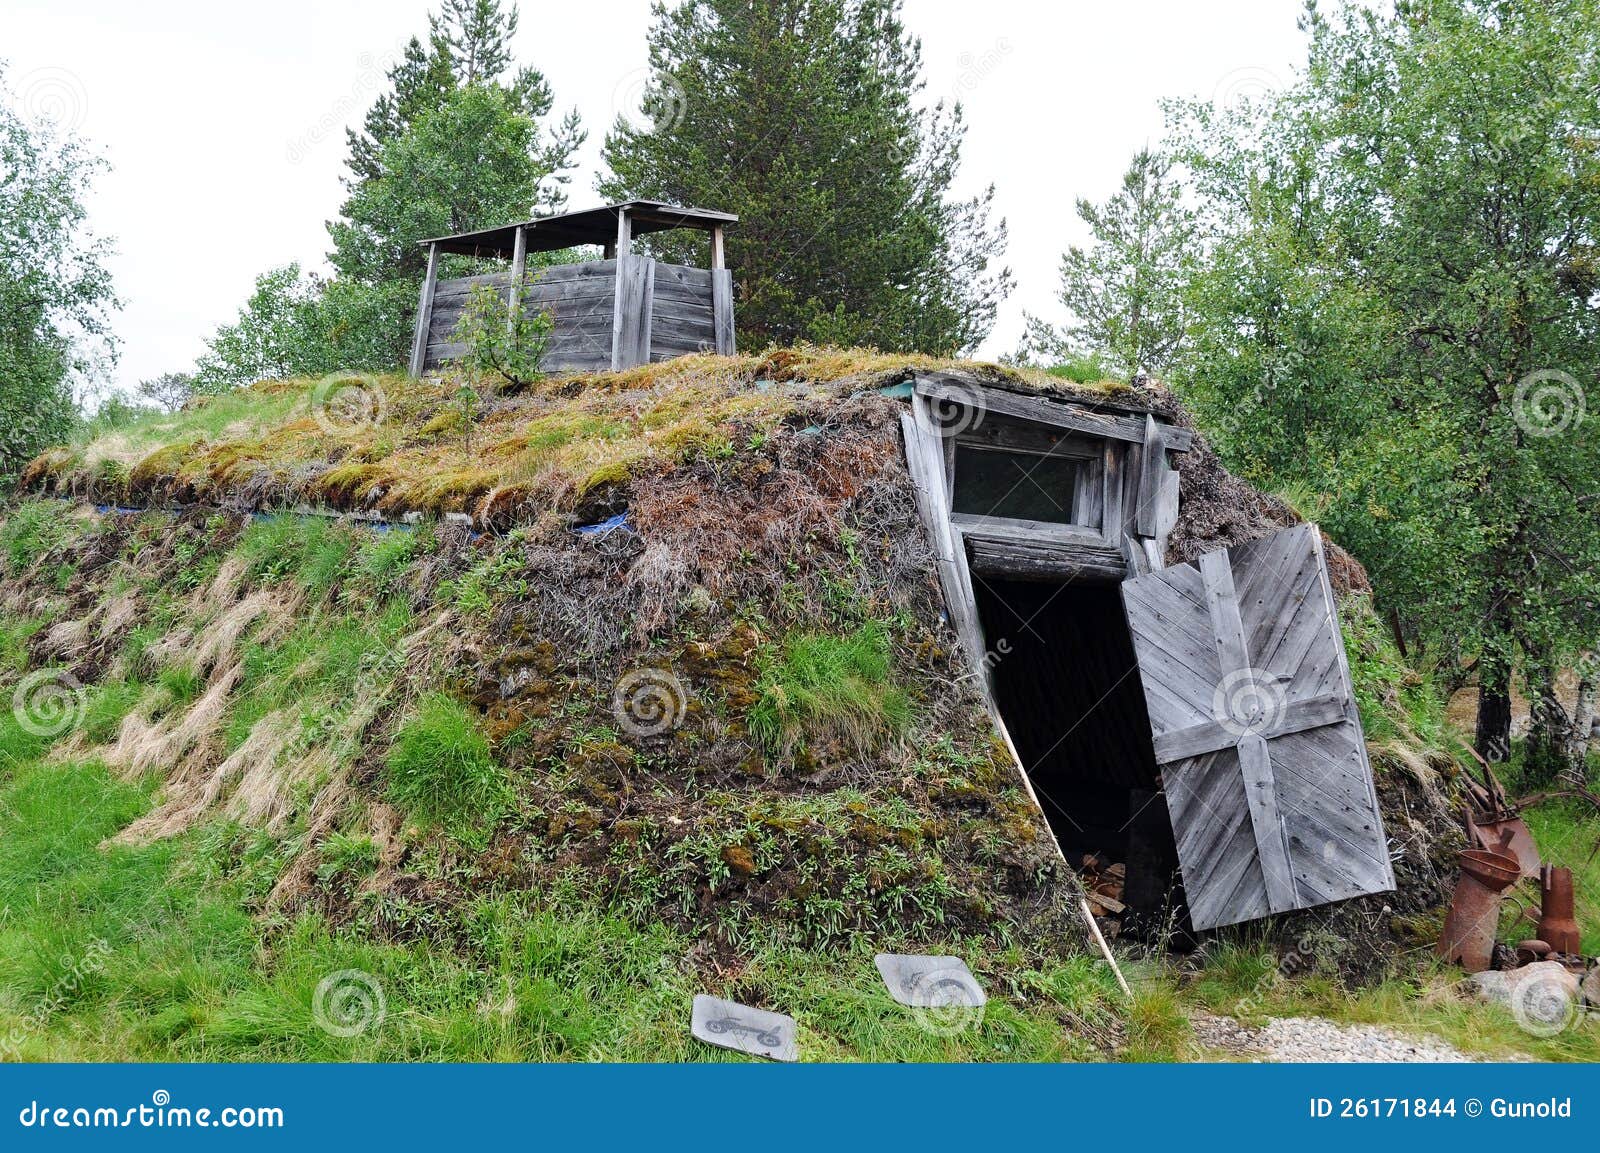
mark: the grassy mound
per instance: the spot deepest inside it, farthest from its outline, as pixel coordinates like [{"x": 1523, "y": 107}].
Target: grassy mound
[{"x": 537, "y": 785}]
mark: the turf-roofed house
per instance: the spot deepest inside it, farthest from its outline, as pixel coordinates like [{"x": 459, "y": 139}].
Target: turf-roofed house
[
  {"x": 831, "y": 647},
  {"x": 1220, "y": 686}
]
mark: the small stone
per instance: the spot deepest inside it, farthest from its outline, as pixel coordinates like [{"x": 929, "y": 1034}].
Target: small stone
[{"x": 1501, "y": 988}]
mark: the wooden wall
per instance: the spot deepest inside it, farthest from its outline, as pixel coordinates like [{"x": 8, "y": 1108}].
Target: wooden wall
[
  {"x": 676, "y": 316},
  {"x": 682, "y": 320}
]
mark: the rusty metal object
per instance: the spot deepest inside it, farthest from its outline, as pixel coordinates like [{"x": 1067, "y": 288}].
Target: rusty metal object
[
  {"x": 1558, "y": 923},
  {"x": 1475, "y": 911},
  {"x": 1494, "y": 823},
  {"x": 1530, "y": 951}
]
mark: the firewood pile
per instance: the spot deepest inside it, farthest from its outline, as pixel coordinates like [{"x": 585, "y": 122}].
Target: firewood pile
[{"x": 1102, "y": 885}]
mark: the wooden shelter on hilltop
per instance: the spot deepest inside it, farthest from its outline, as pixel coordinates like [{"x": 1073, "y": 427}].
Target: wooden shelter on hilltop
[{"x": 617, "y": 312}]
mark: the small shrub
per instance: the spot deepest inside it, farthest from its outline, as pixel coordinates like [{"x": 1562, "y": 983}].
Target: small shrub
[
  {"x": 829, "y": 686},
  {"x": 440, "y": 768},
  {"x": 498, "y": 344}
]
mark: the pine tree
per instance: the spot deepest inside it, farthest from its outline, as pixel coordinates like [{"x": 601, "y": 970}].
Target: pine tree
[
  {"x": 452, "y": 146},
  {"x": 455, "y": 144},
  {"x": 478, "y": 35},
  {"x": 803, "y": 117},
  {"x": 1124, "y": 294}
]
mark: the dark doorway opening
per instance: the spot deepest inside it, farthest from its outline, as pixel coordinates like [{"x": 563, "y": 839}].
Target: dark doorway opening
[{"x": 1068, "y": 688}]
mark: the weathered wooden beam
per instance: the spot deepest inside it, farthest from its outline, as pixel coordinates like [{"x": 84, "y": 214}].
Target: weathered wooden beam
[
  {"x": 1058, "y": 412},
  {"x": 1032, "y": 550},
  {"x": 1088, "y": 493},
  {"x": 419, "y": 342},
  {"x": 722, "y": 308},
  {"x": 1134, "y": 556},
  {"x": 519, "y": 266},
  {"x": 1295, "y": 717},
  {"x": 925, "y": 462},
  {"x": 1008, "y": 435},
  {"x": 631, "y": 317},
  {"x": 624, "y": 242},
  {"x": 718, "y": 257},
  {"x": 1111, "y": 526},
  {"x": 1255, "y": 764},
  {"x": 1152, "y": 464}
]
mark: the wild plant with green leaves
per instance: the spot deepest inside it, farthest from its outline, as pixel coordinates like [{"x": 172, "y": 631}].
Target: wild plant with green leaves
[
  {"x": 503, "y": 346},
  {"x": 1123, "y": 294}
]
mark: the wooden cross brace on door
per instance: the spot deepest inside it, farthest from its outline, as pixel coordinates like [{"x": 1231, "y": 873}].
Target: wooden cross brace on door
[
  {"x": 1254, "y": 724},
  {"x": 1249, "y": 711}
]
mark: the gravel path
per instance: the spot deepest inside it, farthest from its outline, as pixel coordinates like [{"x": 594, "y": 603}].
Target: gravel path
[{"x": 1317, "y": 1039}]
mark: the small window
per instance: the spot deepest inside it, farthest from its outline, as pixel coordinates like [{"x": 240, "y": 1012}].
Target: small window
[{"x": 1015, "y": 485}]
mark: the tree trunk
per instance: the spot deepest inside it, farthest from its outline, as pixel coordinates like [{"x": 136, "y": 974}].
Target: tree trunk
[
  {"x": 1545, "y": 755},
  {"x": 1493, "y": 740},
  {"x": 1575, "y": 773}
]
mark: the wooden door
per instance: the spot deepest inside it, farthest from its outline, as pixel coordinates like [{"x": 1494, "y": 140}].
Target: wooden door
[{"x": 1256, "y": 731}]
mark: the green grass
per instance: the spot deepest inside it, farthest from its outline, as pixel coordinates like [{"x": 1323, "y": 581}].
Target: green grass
[
  {"x": 825, "y": 686},
  {"x": 441, "y": 769},
  {"x": 1568, "y": 833},
  {"x": 28, "y": 531},
  {"x": 1241, "y": 981},
  {"x": 318, "y": 668},
  {"x": 229, "y": 414},
  {"x": 312, "y": 550},
  {"x": 151, "y": 953}
]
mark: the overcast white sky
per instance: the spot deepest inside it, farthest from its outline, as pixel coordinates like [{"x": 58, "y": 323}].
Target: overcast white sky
[{"x": 224, "y": 123}]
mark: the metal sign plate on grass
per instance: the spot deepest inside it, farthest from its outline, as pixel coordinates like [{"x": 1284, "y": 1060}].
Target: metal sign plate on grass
[
  {"x": 930, "y": 982},
  {"x": 731, "y": 1025}
]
